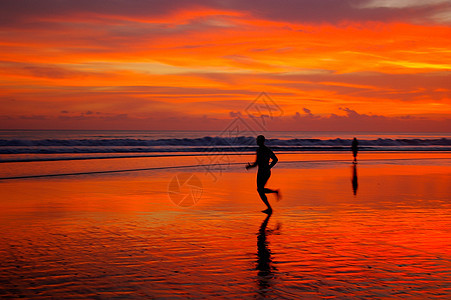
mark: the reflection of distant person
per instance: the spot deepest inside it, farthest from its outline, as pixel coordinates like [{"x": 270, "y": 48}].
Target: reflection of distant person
[
  {"x": 264, "y": 154},
  {"x": 355, "y": 149},
  {"x": 355, "y": 182}
]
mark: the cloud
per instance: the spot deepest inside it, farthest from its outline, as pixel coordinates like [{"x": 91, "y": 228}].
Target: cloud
[
  {"x": 373, "y": 85},
  {"x": 50, "y": 71},
  {"x": 401, "y": 3},
  {"x": 352, "y": 120},
  {"x": 233, "y": 114},
  {"x": 33, "y": 117},
  {"x": 307, "y": 111},
  {"x": 355, "y": 121},
  {"x": 351, "y": 113},
  {"x": 181, "y": 58},
  {"x": 299, "y": 11}
]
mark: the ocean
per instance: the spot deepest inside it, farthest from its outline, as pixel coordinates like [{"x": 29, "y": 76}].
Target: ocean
[{"x": 84, "y": 142}]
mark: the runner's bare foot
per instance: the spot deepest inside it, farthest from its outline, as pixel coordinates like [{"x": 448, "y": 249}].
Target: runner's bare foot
[{"x": 279, "y": 195}]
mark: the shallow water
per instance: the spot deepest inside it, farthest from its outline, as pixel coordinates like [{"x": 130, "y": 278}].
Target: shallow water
[{"x": 119, "y": 234}]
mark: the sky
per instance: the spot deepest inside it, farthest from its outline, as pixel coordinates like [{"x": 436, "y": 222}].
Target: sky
[{"x": 363, "y": 65}]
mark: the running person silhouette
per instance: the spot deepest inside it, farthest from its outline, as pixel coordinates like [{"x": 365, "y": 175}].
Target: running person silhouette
[{"x": 264, "y": 154}]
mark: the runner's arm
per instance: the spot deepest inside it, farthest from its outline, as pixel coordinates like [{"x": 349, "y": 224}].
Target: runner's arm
[
  {"x": 274, "y": 160},
  {"x": 251, "y": 165}
]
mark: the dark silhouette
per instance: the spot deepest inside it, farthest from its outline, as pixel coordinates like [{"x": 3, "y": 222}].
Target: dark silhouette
[
  {"x": 355, "y": 183},
  {"x": 264, "y": 261},
  {"x": 355, "y": 149},
  {"x": 264, "y": 154}
]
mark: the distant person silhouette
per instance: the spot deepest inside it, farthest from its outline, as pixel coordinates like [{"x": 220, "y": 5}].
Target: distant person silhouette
[
  {"x": 264, "y": 154},
  {"x": 355, "y": 149}
]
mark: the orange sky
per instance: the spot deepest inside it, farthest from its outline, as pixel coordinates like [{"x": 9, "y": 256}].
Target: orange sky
[{"x": 330, "y": 65}]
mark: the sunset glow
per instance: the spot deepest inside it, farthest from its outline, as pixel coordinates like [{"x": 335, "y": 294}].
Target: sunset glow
[{"x": 385, "y": 65}]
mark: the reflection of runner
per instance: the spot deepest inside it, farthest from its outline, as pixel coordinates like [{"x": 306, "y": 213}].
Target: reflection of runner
[
  {"x": 264, "y": 154},
  {"x": 355, "y": 149}
]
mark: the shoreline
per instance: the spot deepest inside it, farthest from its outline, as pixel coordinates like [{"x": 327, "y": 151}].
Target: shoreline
[{"x": 60, "y": 167}]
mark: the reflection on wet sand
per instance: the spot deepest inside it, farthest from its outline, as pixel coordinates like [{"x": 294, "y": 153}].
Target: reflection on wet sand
[
  {"x": 355, "y": 182},
  {"x": 264, "y": 266},
  {"x": 265, "y": 262}
]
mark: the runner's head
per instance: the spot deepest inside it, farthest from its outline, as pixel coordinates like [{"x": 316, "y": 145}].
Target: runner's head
[{"x": 260, "y": 140}]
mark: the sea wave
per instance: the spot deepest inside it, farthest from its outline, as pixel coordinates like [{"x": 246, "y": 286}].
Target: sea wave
[{"x": 208, "y": 143}]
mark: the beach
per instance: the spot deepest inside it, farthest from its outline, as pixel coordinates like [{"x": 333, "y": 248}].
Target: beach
[
  {"x": 131, "y": 227},
  {"x": 225, "y": 149}
]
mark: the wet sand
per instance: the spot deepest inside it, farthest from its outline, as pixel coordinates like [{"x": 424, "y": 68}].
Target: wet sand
[{"x": 379, "y": 230}]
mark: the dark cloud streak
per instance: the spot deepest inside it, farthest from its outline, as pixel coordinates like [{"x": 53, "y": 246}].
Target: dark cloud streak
[
  {"x": 350, "y": 121},
  {"x": 298, "y": 11}
]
